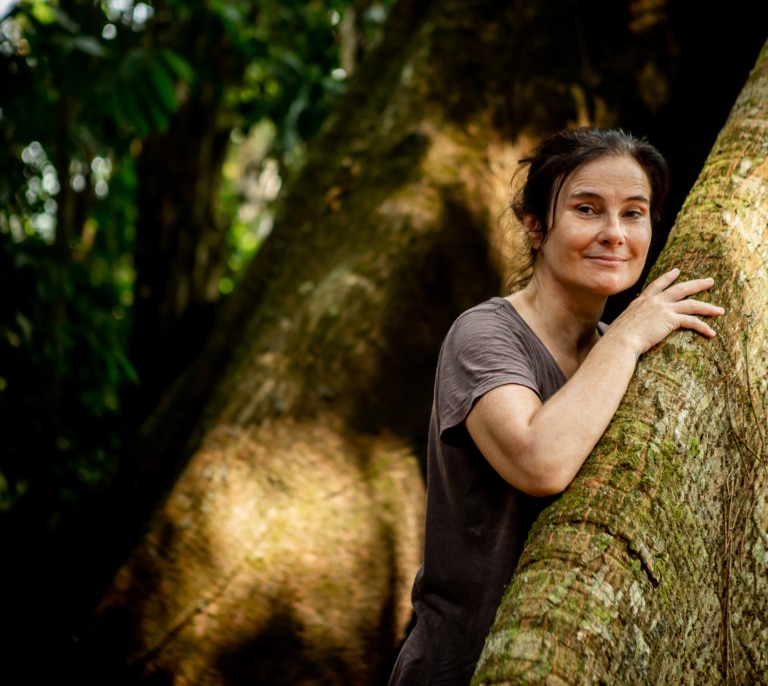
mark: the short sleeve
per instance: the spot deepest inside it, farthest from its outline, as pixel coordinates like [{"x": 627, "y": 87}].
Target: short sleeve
[{"x": 486, "y": 347}]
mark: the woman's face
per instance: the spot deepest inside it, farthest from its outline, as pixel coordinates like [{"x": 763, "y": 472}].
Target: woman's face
[{"x": 601, "y": 231}]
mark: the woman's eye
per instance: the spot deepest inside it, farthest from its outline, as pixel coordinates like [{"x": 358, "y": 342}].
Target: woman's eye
[
  {"x": 585, "y": 209},
  {"x": 634, "y": 214}
]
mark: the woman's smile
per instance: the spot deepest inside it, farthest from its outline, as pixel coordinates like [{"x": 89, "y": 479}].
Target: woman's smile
[{"x": 609, "y": 260}]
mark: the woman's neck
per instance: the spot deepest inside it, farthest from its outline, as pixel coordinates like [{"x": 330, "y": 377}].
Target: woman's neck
[{"x": 567, "y": 327}]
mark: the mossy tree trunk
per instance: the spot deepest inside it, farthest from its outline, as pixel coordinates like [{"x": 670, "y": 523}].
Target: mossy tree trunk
[
  {"x": 284, "y": 548},
  {"x": 653, "y": 566}
]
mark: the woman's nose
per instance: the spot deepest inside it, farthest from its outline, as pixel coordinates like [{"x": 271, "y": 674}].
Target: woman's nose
[{"x": 612, "y": 231}]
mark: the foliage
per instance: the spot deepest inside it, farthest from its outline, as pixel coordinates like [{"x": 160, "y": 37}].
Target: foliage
[
  {"x": 65, "y": 237},
  {"x": 84, "y": 84},
  {"x": 290, "y": 83}
]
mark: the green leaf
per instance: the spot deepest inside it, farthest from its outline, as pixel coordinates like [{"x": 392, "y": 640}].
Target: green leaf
[
  {"x": 130, "y": 112},
  {"x": 178, "y": 65},
  {"x": 292, "y": 60},
  {"x": 47, "y": 14},
  {"x": 89, "y": 45},
  {"x": 163, "y": 86},
  {"x": 126, "y": 366},
  {"x": 25, "y": 326},
  {"x": 147, "y": 101}
]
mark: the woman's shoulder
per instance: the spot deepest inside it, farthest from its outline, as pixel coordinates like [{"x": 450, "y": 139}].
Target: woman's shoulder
[
  {"x": 495, "y": 313},
  {"x": 495, "y": 306},
  {"x": 488, "y": 328}
]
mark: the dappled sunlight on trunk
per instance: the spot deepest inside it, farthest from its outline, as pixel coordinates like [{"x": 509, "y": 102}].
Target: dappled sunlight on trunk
[{"x": 280, "y": 555}]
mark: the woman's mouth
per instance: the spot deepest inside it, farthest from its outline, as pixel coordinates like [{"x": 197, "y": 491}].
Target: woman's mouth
[{"x": 607, "y": 260}]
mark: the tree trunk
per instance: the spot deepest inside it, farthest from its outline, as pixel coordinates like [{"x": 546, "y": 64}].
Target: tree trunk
[
  {"x": 652, "y": 568},
  {"x": 285, "y": 549},
  {"x": 181, "y": 245}
]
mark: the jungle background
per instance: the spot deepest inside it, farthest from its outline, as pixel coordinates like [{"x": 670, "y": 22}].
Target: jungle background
[{"x": 155, "y": 159}]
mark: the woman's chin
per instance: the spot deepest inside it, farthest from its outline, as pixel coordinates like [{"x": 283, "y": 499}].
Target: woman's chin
[
  {"x": 611, "y": 281},
  {"x": 610, "y": 287}
]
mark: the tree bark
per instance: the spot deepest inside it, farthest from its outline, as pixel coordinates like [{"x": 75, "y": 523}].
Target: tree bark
[
  {"x": 652, "y": 568},
  {"x": 287, "y": 543}
]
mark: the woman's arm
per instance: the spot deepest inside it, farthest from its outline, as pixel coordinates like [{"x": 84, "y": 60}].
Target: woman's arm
[{"x": 540, "y": 447}]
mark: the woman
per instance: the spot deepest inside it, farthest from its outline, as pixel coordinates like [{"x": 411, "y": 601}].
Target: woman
[{"x": 527, "y": 384}]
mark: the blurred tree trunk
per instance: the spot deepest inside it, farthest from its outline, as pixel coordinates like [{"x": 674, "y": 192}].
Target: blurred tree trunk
[
  {"x": 181, "y": 249},
  {"x": 181, "y": 245},
  {"x": 285, "y": 543},
  {"x": 653, "y": 567}
]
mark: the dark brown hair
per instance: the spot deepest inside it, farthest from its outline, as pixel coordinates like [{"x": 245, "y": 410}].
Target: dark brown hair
[{"x": 558, "y": 155}]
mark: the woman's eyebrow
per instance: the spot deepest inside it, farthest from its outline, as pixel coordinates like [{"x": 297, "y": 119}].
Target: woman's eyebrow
[{"x": 594, "y": 194}]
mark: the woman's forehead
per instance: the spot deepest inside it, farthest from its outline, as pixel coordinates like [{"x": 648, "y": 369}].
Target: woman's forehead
[{"x": 622, "y": 176}]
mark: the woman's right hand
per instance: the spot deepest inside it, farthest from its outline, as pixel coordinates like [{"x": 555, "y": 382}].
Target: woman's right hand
[{"x": 663, "y": 307}]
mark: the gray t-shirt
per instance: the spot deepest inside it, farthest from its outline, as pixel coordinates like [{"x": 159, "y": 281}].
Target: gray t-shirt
[{"x": 476, "y": 523}]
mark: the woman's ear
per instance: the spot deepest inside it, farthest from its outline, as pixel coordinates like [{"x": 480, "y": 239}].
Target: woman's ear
[{"x": 533, "y": 231}]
